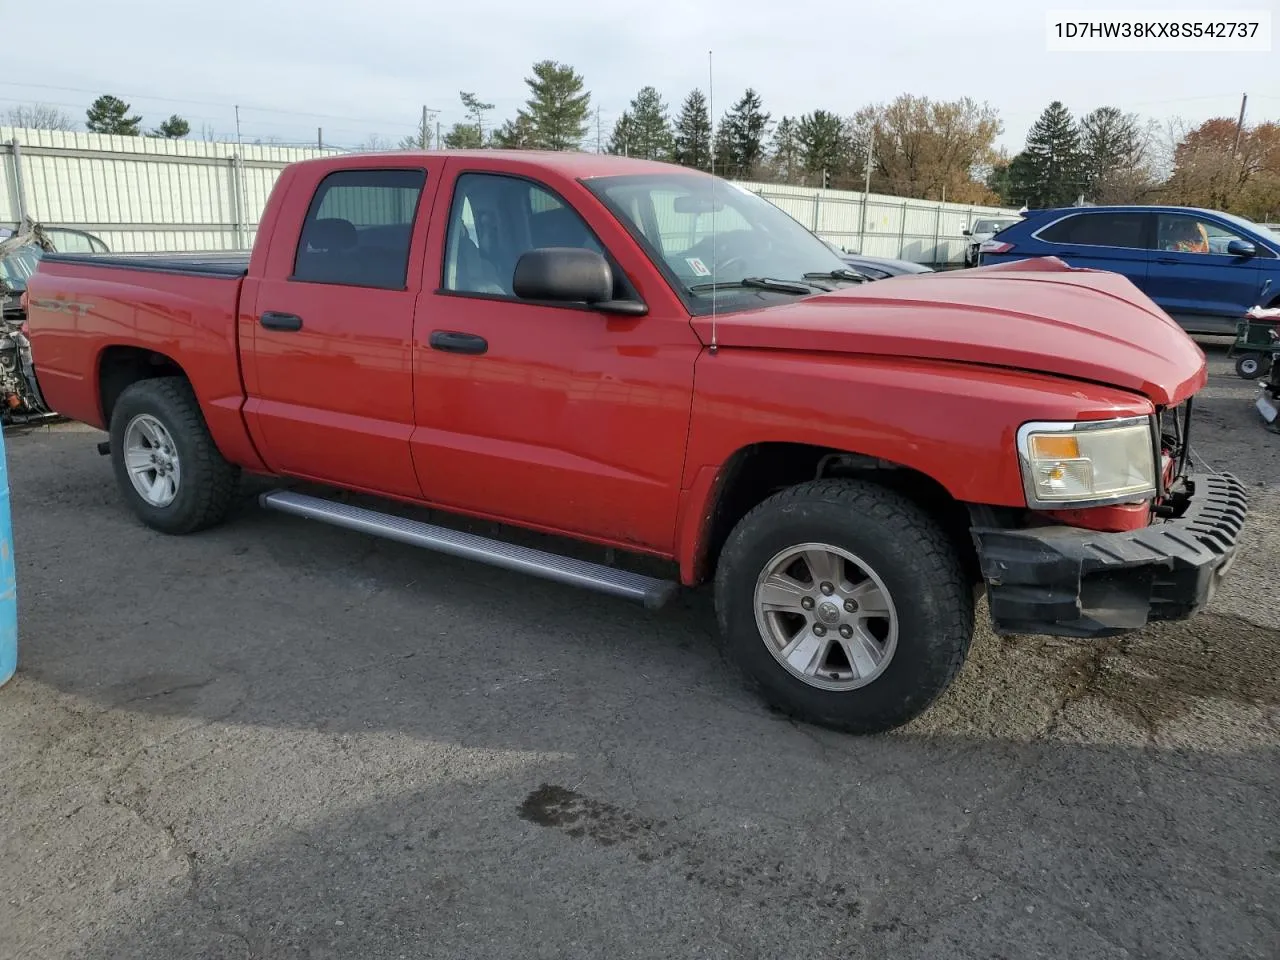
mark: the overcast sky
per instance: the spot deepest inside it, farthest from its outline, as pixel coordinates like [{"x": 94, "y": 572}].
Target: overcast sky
[{"x": 360, "y": 70}]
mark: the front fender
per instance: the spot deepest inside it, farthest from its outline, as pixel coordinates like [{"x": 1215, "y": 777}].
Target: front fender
[{"x": 954, "y": 423}]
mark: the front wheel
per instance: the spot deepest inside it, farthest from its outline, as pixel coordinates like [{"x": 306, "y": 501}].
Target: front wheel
[
  {"x": 845, "y": 603},
  {"x": 166, "y": 463}
]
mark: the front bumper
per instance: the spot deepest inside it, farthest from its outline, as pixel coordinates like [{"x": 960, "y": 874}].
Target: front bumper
[{"x": 1068, "y": 582}]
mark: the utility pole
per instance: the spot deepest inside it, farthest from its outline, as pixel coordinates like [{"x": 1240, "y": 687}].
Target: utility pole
[
  {"x": 319, "y": 138},
  {"x": 1235, "y": 149},
  {"x": 439, "y": 145},
  {"x": 871, "y": 149},
  {"x": 599, "y": 148},
  {"x": 866, "y": 189},
  {"x": 422, "y": 133}
]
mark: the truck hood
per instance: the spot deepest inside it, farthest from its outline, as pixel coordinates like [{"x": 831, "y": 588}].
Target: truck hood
[{"x": 1037, "y": 315}]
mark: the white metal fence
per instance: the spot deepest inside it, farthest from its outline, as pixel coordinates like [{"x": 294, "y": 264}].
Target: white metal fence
[
  {"x": 923, "y": 231},
  {"x": 144, "y": 194}
]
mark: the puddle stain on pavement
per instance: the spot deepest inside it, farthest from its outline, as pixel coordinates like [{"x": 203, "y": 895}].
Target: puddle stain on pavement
[{"x": 651, "y": 840}]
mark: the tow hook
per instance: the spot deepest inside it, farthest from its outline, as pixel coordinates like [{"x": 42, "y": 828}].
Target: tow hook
[{"x": 104, "y": 447}]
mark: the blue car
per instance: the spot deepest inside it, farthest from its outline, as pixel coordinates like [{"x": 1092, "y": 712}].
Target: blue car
[{"x": 1202, "y": 267}]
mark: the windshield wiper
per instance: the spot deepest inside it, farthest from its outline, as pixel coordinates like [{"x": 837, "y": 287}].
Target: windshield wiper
[
  {"x": 762, "y": 283},
  {"x": 843, "y": 273}
]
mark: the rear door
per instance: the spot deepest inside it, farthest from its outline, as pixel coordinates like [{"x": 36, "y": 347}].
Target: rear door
[
  {"x": 1117, "y": 241},
  {"x": 329, "y": 362},
  {"x": 1195, "y": 280}
]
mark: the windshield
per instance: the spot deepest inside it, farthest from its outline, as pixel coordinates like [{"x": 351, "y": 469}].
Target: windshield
[
  {"x": 18, "y": 266},
  {"x": 709, "y": 236}
]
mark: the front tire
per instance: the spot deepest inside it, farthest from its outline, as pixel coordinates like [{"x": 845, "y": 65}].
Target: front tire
[
  {"x": 166, "y": 463},
  {"x": 845, "y": 604}
]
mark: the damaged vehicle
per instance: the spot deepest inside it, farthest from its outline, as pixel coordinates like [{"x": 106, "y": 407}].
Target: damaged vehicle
[
  {"x": 21, "y": 249},
  {"x": 567, "y": 344}
]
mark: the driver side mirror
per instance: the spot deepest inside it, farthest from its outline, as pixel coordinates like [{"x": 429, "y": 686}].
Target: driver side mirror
[
  {"x": 570, "y": 275},
  {"x": 966, "y": 232},
  {"x": 1241, "y": 248}
]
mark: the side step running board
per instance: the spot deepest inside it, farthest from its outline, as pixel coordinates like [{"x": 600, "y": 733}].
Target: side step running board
[{"x": 650, "y": 591}]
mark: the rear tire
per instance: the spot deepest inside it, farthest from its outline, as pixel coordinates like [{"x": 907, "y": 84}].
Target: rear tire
[
  {"x": 165, "y": 460},
  {"x": 892, "y": 609}
]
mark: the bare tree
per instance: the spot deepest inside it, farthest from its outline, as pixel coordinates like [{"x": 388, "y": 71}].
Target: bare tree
[{"x": 39, "y": 116}]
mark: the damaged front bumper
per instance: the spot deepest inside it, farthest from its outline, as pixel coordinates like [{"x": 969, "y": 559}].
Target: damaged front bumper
[{"x": 1069, "y": 582}]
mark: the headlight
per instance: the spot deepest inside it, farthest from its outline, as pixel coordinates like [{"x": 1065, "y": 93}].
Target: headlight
[{"x": 1088, "y": 463}]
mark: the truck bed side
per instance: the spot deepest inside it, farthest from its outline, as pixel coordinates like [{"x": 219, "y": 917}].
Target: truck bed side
[{"x": 100, "y": 322}]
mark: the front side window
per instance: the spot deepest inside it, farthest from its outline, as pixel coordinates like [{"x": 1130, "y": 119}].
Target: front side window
[
  {"x": 359, "y": 228},
  {"x": 1184, "y": 233},
  {"x": 714, "y": 239},
  {"x": 1099, "y": 230},
  {"x": 495, "y": 219}
]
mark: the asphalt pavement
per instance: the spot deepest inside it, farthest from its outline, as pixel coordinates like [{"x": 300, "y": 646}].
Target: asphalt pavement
[{"x": 279, "y": 739}]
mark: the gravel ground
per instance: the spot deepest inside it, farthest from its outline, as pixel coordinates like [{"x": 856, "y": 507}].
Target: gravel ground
[{"x": 284, "y": 740}]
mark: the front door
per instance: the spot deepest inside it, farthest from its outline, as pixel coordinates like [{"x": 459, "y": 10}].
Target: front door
[
  {"x": 327, "y": 338},
  {"x": 561, "y": 418},
  {"x": 1195, "y": 280}
]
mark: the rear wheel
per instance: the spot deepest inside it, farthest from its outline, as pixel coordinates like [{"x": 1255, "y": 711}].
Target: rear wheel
[
  {"x": 166, "y": 463},
  {"x": 845, "y": 603}
]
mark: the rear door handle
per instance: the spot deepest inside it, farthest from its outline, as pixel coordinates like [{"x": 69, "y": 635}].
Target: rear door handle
[
  {"x": 280, "y": 321},
  {"x": 453, "y": 342},
  {"x": 1170, "y": 260}
]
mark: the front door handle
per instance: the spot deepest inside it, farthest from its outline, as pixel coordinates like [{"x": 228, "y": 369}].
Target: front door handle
[
  {"x": 280, "y": 321},
  {"x": 1168, "y": 260},
  {"x": 453, "y": 342}
]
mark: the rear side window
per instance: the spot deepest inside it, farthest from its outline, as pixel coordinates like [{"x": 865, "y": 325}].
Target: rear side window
[
  {"x": 359, "y": 227},
  {"x": 1099, "y": 230}
]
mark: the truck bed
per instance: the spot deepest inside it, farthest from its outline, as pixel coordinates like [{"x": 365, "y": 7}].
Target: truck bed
[{"x": 231, "y": 264}]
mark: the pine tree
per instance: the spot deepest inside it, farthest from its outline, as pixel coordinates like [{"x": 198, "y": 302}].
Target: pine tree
[
  {"x": 557, "y": 111},
  {"x": 109, "y": 114},
  {"x": 463, "y": 136},
  {"x": 785, "y": 152},
  {"x": 476, "y": 111},
  {"x": 175, "y": 128},
  {"x": 517, "y": 134},
  {"x": 620, "y": 142},
  {"x": 825, "y": 146},
  {"x": 1115, "y": 156},
  {"x": 740, "y": 138},
  {"x": 692, "y": 144},
  {"x": 1050, "y": 171},
  {"x": 650, "y": 130}
]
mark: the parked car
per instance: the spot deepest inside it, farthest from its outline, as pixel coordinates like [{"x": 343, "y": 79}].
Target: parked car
[
  {"x": 981, "y": 230},
  {"x": 65, "y": 239},
  {"x": 879, "y": 268},
  {"x": 570, "y": 343},
  {"x": 1204, "y": 268}
]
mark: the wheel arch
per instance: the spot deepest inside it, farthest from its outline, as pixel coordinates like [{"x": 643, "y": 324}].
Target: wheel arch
[
  {"x": 120, "y": 366},
  {"x": 755, "y": 472}
]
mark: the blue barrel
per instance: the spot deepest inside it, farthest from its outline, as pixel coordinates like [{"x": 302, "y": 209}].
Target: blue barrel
[{"x": 8, "y": 578}]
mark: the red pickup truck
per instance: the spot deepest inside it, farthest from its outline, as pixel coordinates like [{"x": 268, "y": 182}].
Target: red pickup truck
[{"x": 654, "y": 360}]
